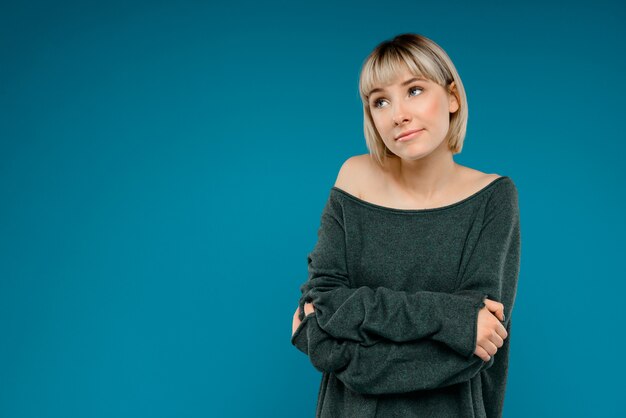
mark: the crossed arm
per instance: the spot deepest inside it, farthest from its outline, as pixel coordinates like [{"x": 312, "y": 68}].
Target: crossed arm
[
  {"x": 490, "y": 332},
  {"x": 385, "y": 341}
]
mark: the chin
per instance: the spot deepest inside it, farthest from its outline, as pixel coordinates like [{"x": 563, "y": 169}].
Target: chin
[{"x": 419, "y": 152}]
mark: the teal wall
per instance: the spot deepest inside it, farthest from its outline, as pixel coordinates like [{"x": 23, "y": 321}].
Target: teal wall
[{"x": 163, "y": 167}]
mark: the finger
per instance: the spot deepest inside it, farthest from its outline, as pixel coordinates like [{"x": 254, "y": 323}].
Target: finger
[
  {"x": 308, "y": 308},
  {"x": 501, "y": 313},
  {"x": 502, "y": 332},
  {"x": 489, "y": 347},
  {"x": 480, "y": 352},
  {"x": 495, "y": 307},
  {"x": 491, "y": 305},
  {"x": 295, "y": 325},
  {"x": 497, "y": 340}
]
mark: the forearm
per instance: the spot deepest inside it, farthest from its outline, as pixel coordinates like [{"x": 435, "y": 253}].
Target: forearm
[{"x": 385, "y": 366}]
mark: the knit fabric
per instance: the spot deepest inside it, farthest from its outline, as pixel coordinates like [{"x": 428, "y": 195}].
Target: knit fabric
[{"x": 397, "y": 294}]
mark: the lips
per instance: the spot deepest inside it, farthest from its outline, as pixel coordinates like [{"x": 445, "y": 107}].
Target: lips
[{"x": 406, "y": 133}]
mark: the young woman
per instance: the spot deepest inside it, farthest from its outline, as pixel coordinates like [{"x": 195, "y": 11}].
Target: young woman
[{"x": 407, "y": 307}]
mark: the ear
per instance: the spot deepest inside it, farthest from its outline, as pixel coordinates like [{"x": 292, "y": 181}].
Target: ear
[{"x": 454, "y": 102}]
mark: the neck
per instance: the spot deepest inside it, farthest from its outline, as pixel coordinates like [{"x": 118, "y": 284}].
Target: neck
[{"x": 426, "y": 178}]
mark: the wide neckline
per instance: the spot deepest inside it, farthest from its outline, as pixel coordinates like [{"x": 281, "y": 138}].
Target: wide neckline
[{"x": 428, "y": 210}]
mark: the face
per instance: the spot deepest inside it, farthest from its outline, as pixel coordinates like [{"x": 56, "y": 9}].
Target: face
[{"x": 411, "y": 104}]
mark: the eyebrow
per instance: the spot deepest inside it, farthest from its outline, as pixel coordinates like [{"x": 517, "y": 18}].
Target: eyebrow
[{"x": 404, "y": 84}]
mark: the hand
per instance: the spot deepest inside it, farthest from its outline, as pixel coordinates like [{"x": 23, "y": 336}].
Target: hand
[
  {"x": 296, "y": 321},
  {"x": 308, "y": 309},
  {"x": 490, "y": 332}
]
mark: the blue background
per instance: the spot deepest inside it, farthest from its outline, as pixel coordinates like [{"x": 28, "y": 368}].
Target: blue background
[{"x": 163, "y": 167}]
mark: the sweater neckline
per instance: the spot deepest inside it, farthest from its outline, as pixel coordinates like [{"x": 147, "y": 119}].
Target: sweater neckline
[{"x": 428, "y": 210}]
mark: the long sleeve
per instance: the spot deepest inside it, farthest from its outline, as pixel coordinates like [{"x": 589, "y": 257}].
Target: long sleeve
[
  {"x": 364, "y": 314},
  {"x": 385, "y": 366}
]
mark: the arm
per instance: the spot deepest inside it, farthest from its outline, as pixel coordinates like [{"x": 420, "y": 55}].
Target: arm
[
  {"x": 366, "y": 315},
  {"x": 391, "y": 367},
  {"x": 385, "y": 367}
]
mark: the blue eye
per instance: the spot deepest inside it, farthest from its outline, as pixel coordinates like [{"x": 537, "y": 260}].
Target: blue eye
[
  {"x": 416, "y": 88},
  {"x": 376, "y": 102}
]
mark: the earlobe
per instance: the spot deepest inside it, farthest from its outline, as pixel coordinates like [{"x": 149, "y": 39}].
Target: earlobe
[
  {"x": 454, "y": 101},
  {"x": 454, "y": 105}
]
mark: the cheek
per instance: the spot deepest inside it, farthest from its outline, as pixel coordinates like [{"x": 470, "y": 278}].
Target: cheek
[
  {"x": 376, "y": 119},
  {"x": 432, "y": 109},
  {"x": 379, "y": 125}
]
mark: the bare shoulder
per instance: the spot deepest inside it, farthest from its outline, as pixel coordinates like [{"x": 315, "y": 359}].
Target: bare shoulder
[
  {"x": 354, "y": 173},
  {"x": 475, "y": 179}
]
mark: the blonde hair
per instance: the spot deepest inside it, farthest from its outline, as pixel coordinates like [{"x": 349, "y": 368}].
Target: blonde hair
[{"x": 424, "y": 58}]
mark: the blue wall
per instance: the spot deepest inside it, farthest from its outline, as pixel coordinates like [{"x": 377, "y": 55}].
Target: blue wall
[{"x": 163, "y": 168}]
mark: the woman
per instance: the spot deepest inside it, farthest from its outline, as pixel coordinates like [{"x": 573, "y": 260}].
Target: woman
[{"x": 407, "y": 307}]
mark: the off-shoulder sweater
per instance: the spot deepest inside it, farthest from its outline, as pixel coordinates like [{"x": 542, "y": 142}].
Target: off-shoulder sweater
[{"x": 397, "y": 294}]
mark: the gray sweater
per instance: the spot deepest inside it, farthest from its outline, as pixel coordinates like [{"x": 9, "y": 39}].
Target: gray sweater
[{"x": 397, "y": 294}]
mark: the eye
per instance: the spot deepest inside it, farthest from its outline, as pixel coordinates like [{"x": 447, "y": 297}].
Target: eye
[
  {"x": 376, "y": 103},
  {"x": 416, "y": 88}
]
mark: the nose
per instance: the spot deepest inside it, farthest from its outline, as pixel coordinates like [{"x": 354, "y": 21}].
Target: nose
[{"x": 400, "y": 115}]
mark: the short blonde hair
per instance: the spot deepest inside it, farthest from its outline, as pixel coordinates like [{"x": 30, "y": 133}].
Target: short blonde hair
[{"x": 424, "y": 58}]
